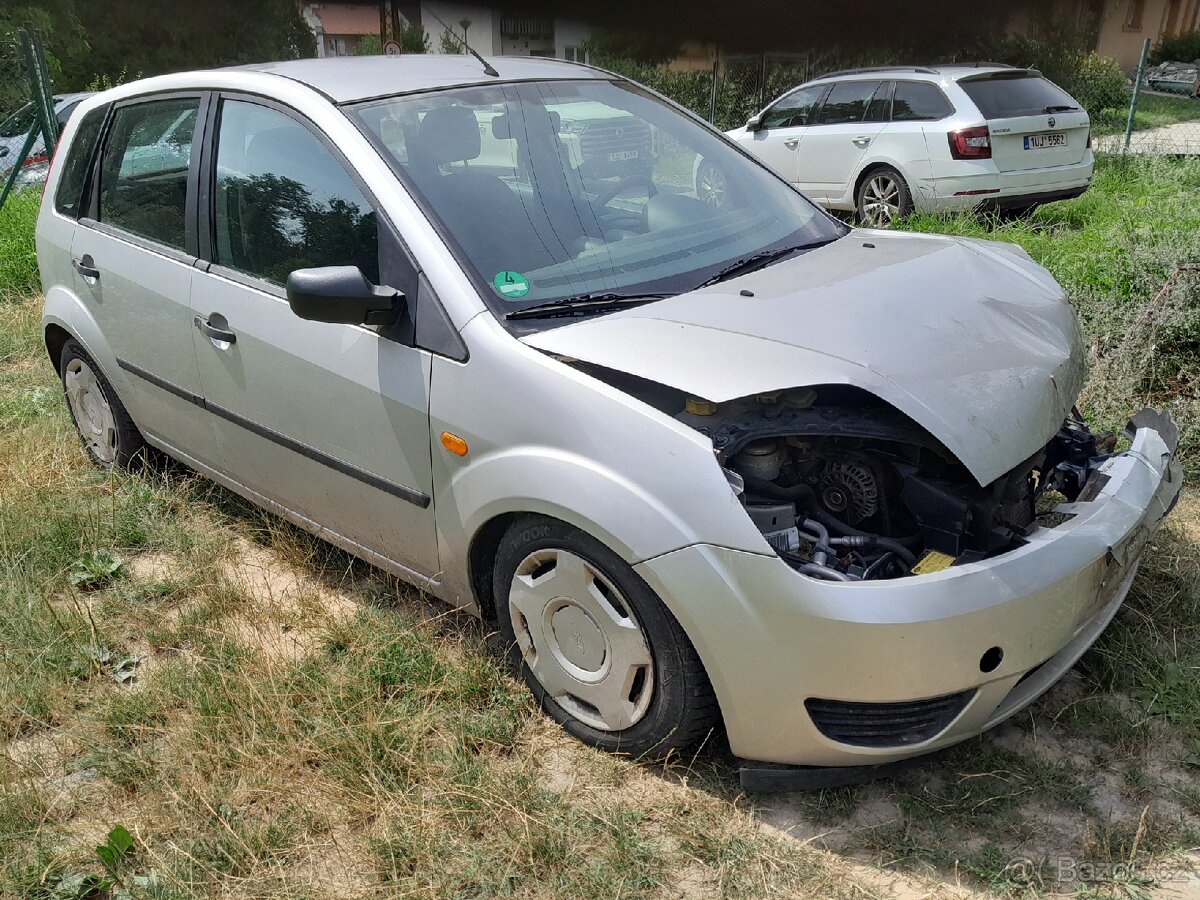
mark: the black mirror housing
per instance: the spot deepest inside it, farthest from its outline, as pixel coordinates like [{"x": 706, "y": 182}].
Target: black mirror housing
[{"x": 342, "y": 295}]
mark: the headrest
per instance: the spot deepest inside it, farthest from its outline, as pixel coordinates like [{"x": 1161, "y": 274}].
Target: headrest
[
  {"x": 449, "y": 134},
  {"x": 502, "y": 124},
  {"x": 269, "y": 148}
]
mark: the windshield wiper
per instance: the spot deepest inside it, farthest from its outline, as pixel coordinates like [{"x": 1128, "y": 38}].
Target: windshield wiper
[
  {"x": 1054, "y": 109},
  {"x": 757, "y": 261},
  {"x": 581, "y": 304}
]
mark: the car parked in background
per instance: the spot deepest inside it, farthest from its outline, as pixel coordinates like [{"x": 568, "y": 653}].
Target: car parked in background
[
  {"x": 739, "y": 467},
  {"x": 15, "y": 129},
  {"x": 886, "y": 141}
]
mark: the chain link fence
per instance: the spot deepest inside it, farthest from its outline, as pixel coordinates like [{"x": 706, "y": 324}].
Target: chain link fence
[
  {"x": 28, "y": 126},
  {"x": 1163, "y": 117}
]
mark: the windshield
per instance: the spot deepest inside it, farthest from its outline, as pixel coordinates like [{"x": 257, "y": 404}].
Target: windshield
[
  {"x": 567, "y": 190},
  {"x": 19, "y": 123}
]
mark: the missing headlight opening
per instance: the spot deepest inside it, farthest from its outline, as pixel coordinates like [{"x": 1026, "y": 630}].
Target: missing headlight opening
[{"x": 845, "y": 488}]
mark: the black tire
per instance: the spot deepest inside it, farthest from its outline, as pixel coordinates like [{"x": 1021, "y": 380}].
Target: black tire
[
  {"x": 682, "y": 708},
  {"x": 875, "y": 204},
  {"x": 127, "y": 446}
]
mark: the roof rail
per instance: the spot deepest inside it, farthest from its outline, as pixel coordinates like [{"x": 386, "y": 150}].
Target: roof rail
[
  {"x": 978, "y": 64},
  {"x": 925, "y": 70}
]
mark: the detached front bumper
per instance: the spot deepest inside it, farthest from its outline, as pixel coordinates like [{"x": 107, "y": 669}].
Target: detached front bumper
[{"x": 818, "y": 673}]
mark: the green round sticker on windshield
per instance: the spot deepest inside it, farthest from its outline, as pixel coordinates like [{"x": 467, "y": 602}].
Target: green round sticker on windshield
[{"x": 512, "y": 285}]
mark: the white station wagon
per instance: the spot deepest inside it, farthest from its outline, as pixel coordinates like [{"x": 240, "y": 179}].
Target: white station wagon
[
  {"x": 742, "y": 467},
  {"x": 885, "y": 141}
]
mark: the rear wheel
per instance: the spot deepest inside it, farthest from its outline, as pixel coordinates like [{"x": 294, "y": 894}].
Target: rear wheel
[
  {"x": 595, "y": 645},
  {"x": 108, "y": 433},
  {"x": 883, "y": 198}
]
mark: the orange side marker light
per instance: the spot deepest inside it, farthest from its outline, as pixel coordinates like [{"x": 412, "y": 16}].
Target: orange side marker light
[{"x": 454, "y": 443}]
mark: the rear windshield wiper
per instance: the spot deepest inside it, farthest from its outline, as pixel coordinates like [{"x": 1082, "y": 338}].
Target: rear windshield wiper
[
  {"x": 1054, "y": 109},
  {"x": 583, "y": 304},
  {"x": 758, "y": 261}
]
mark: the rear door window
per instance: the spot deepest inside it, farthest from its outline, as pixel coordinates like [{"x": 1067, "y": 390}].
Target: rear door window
[
  {"x": 68, "y": 196},
  {"x": 144, "y": 169},
  {"x": 1007, "y": 97},
  {"x": 794, "y": 109},
  {"x": 919, "y": 101},
  {"x": 847, "y": 102}
]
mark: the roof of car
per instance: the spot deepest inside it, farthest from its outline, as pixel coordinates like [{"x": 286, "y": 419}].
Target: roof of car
[{"x": 345, "y": 79}]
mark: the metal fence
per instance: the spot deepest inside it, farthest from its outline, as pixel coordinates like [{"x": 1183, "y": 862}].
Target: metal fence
[
  {"x": 1162, "y": 118},
  {"x": 28, "y": 126}
]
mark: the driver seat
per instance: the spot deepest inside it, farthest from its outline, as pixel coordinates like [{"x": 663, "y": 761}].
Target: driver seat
[{"x": 484, "y": 214}]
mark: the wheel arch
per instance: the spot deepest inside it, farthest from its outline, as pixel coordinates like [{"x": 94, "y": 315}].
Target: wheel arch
[{"x": 56, "y": 338}]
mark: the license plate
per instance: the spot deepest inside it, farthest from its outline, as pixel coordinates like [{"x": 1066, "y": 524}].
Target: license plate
[
  {"x": 620, "y": 155},
  {"x": 1045, "y": 141}
]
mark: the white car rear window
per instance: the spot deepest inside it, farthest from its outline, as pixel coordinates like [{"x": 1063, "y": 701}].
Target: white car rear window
[{"x": 1007, "y": 96}]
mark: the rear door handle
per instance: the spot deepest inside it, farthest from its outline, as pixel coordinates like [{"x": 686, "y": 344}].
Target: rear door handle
[
  {"x": 86, "y": 267},
  {"x": 213, "y": 333},
  {"x": 791, "y": 143}
]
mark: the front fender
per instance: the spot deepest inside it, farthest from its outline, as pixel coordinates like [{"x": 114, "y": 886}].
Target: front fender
[{"x": 549, "y": 439}]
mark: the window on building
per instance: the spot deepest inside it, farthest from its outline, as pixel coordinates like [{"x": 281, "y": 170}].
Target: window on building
[
  {"x": 1134, "y": 10},
  {"x": 144, "y": 167},
  {"x": 284, "y": 202}
]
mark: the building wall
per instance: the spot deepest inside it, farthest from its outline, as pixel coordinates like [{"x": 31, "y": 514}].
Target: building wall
[
  {"x": 1127, "y": 23},
  {"x": 483, "y": 34}
]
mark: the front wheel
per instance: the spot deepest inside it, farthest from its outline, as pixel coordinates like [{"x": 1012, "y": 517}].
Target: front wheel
[
  {"x": 883, "y": 198},
  {"x": 595, "y": 645}
]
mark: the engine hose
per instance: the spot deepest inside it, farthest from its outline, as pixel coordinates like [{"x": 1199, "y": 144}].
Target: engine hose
[
  {"x": 873, "y": 541},
  {"x": 805, "y": 496},
  {"x": 824, "y": 572}
]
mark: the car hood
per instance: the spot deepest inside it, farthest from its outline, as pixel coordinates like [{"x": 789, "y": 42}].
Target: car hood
[{"x": 971, "y": 339}]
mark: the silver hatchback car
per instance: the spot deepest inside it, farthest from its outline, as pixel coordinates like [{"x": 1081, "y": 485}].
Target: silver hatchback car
[{"x": 742, "y": 467}]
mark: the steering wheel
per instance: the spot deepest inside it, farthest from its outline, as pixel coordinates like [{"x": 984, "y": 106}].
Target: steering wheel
[{"x": 629, "y": 181}]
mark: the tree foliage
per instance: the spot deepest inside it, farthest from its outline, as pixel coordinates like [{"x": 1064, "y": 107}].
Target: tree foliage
[{"x": 92, "y": 42}]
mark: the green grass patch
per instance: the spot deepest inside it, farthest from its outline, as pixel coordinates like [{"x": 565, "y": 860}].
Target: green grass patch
[
  {"x": 18, "y": 258},
  {"x": 1153, "y": 111}
]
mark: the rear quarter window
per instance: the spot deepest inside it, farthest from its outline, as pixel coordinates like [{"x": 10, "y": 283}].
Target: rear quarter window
[
  {"x": 919, "y": 101},
  {"x": 68, "y": 198},
  {"x": 1005, "y": 97}
]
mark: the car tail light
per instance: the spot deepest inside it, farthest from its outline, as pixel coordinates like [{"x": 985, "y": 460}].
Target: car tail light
[{"x": 971, "y": 143}]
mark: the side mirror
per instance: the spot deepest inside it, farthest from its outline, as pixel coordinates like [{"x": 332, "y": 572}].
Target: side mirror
[
  {"x": 342, "y": 295},
  {"x": 754, "y": 123}
]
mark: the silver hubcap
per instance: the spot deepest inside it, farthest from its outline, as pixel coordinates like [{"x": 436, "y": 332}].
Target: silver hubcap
[
  {"x": 90, "y": 408},
  {"x": 880, "y": 202},
  {"x": 580, "y": 640},
  {"x": 712, "y": 186}
]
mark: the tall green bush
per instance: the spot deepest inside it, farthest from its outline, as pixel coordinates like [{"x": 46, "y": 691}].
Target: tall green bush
[{"x": 1181, "y": 48}]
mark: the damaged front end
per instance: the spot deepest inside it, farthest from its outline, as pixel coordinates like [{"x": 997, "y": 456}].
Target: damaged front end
[{"x": 847, "y": 489}]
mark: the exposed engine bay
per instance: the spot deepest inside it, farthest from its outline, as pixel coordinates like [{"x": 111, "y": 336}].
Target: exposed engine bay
[{"x": 847, "y": 489}]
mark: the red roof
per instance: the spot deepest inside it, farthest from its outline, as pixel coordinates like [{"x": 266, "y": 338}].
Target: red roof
[{"x": 356, "y": 18}]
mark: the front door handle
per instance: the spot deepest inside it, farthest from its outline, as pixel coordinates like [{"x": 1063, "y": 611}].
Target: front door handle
[
  {"x": 213, "y": 333},
  {"x": 861, "y": 141},
  {"x": 791, "y": 143},
  {"x": 86, "y": 267}
]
